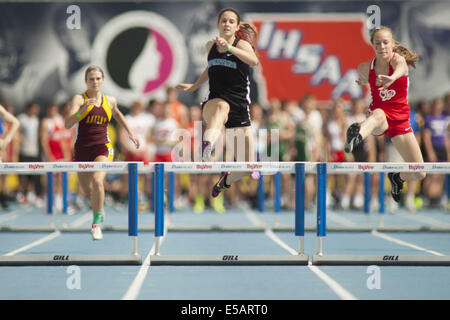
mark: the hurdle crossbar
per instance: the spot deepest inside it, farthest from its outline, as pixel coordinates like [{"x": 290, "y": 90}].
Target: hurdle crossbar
[
  {"x": 216, "y": 167},
  {"x": 51, "y": 167}
]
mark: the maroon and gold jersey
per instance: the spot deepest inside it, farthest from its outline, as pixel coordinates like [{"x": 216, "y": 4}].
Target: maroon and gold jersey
[{"x": 92, "y": 127}]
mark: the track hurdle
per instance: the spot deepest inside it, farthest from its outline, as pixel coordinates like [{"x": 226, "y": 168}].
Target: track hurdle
[
  {"x": 222, "y": 259},
  {"x": 387, "y": 259},
  {"x": 63, "y": 258}
]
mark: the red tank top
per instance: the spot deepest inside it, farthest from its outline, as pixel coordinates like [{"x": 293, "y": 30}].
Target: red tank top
[
  {"x": 393, "y": 100},
  {"x": 55, "y": 127},
  {"x": 92, "y": 128}
]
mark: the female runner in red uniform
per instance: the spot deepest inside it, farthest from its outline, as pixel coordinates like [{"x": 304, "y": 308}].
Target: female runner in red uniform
[
  {"x": 92, "y": 113},
  {"x": 388, "y": 114}
]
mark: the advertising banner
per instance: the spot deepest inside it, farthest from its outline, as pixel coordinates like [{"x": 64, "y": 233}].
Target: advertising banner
[{"x": 144, "y": 47}]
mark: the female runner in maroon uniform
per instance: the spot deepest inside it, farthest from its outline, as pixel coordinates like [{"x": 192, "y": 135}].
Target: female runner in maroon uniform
[
  {"x": 387, "y": 75},
  {"x": 92, "y": 113}
]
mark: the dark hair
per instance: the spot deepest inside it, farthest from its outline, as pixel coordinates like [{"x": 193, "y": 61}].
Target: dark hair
[
  {"x": 411, "y": 57},
  {"x": 93, "y": 68}
]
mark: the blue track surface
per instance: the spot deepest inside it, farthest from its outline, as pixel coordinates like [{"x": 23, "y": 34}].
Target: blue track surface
[{"x": 225, "y": 282}]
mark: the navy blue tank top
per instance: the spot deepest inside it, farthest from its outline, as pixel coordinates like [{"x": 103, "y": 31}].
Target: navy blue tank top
[{"x": 228, "y": 78}]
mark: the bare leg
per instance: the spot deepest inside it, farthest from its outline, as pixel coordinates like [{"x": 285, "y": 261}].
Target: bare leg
[
  {"x": 407, "y": 146},
  {"x": 215, "y": 114},
  {"x": 85, "y": 181},
  {"x": 92, "y": 184},
  {"x": 376, "y": 124},
  {"x": 245, "y": 149}
]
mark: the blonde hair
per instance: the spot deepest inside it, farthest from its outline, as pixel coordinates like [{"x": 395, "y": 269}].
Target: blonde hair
[{"x": 410, "y": 56}]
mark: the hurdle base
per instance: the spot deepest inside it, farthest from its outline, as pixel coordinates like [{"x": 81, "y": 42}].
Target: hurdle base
[
  {"x": 48, "y": 228},
  {"x": 216, "y": 228},
  {"x": 180, "y": 228},
  {"x": 106, "y": 228},
  {"x": 69, "y": 259},
  {"x": 228, "y": 260},
  {"x": 381, "y": 260}
]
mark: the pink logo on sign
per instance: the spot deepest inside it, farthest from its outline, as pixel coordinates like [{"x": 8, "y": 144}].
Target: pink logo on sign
[{"x": 166, "y": 64}]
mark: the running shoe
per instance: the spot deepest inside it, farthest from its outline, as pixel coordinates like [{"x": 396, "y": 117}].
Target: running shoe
[
  {"x": 220, "y": 185},
  {"x": 397, "y": 185},
  {"x": 353, "y": 137},
  {"x": 96, "y": 232}
]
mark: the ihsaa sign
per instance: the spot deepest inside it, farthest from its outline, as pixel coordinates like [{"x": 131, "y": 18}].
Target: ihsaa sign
[{"x": 310, "y": 53}]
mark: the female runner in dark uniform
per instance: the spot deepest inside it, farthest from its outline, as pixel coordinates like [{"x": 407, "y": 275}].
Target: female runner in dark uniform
[{"x": 230, "y": 56}]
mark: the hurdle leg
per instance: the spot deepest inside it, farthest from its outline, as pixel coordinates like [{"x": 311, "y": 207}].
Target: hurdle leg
[
  {"x": 133, "y": 206},
  {"x": 152, "y": 193},
  {"x": 64, "y": 198},
  {"x": 171, "y": 195},
  {"x": 381, "y": 200},
  {"x": 261, "y": 194},
  {"x": 277, "y": 200},
  {"x": 300, "y": 205},
  {"x": 321, "y": 206},
  {"x": 367, "y": 196},
  {"x": 50, "y": 194},
  {"x": 262, "y": 197},
  {"x": 159, "y": 214}
]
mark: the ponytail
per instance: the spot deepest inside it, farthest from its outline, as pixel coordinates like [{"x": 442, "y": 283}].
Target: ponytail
[{"x": 411, "y": 57}]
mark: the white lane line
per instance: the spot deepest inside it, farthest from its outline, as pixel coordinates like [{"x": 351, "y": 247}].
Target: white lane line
[
  {"x": 280, "y": 242},
  {"x": 330, "y": 282},
  {"x": 254, "y": 218},
  {"x": 13, "y": 214},
  {"x": 48, "y": 237},
  {"x": 340, "y": 219},
  {"x": 336, "y": 287},
  {"x": 398, "y": 241},
  {"x": 81, "y": 220},
  {"x": 404, "y": 243},
  {"x": 135, "y": 287},
  {"x": 428, "y": 220}
]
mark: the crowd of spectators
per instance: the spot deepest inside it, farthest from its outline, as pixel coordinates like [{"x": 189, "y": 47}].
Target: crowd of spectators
[{"x": 308, "y": 130}]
